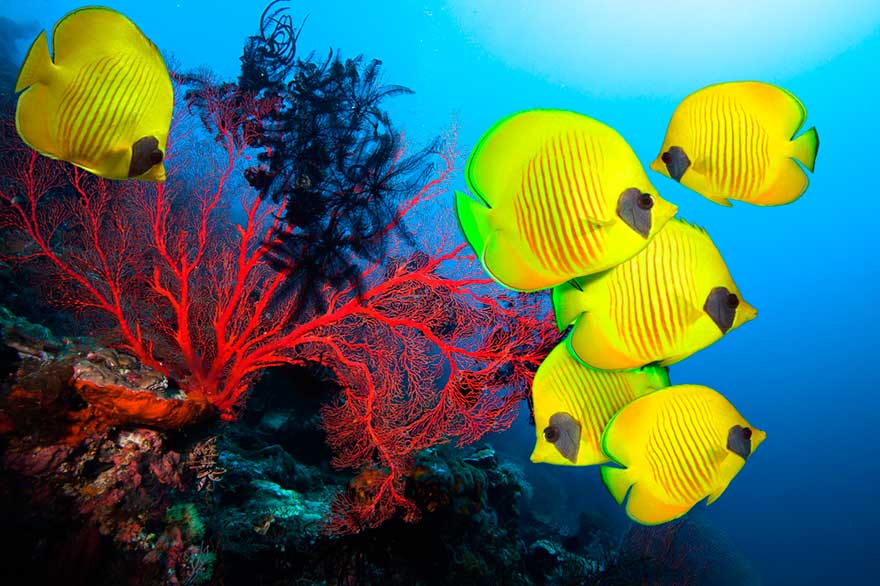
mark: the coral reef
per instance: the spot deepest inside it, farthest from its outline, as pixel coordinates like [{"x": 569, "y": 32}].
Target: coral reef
[
  {"x": 281, "y": 264},
  {"x": 125, "y": 391},
  {"x": 252, "y": 504},
  {"x": 177, "y": 279}
]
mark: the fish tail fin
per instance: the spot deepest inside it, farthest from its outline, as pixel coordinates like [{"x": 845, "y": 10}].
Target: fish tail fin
[
  {"x": 617, "y": 481},
  {"x": 37, "y": 66},
  {"x": 568, "y": 302},
  {"x": 30, "y": 112},
  {"x": 473, "y": 219},
  {"x": 805, "y": 148}
]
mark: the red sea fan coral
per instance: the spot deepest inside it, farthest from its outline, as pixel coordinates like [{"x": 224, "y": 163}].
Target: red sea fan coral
[{"x": 178, "y": 275}]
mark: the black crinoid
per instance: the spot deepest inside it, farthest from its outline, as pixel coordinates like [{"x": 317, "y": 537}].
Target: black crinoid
[{"x": 331, "y": 154}]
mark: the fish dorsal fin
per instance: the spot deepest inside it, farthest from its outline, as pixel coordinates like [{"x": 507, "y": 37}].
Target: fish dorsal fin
[
  {"x": 777, "y": 109},
  {"x": 693, "y": 231},
  {"x": 101, "y": 31},
  {"x": 500, "y": 158}
]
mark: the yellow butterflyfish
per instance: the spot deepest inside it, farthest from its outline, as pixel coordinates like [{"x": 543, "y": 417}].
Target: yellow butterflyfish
[
  {"x": 103, "y": 102},
  {"x": 573, "y": 403},
  {"x": 678, "y": 446},
  {"x": 670, "y": 300},
  {"x": 737, "y": 141},
  {"x": 561, "y": 195}
]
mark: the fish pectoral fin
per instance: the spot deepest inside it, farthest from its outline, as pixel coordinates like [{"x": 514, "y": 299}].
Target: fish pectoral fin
[
  {"x": 717, "y": 493},
  {"x": 113, "y": 165},
  {"x": 574, "y": 283},
  {"x": 700, "y": 166},
  {"x": 694, "y": 312},
  {"x": 593, "y": 223}
]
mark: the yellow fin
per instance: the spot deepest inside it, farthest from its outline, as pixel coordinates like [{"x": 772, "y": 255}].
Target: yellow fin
[
  {"x": 779, "y": 109},
  {"x": 790, "y": 184},
  {"x": 597, "y": 222},
  {"x": 32, "y": 123},
  {"x": 568, "y": 300},
  {"x": 805, "y": 147},
  {"x": 501, "y": 155},
  {"x": 504, "y": 263},
  {"x": 37, "y": 66},
  {"x": 96, "y": 31},
  {"x": 719, "y": 199},
  {"x": 700, "y": 166},
  {"x": 474, "y": 221},
  {"x": 718, "y": 492},
  {"x": 617, "y": 481},
  {"x": 644, "y": 508}
]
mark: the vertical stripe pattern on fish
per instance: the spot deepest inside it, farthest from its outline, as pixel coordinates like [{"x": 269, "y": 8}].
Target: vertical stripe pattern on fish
[
  {"x": 675, "y": 447},
  {"x": 555, "y": 194},
  {"x": 662, "y": 305},
  {"x": 735, "y": 145},
  {"x": 559, "y": 195},
  {"x": 738, "y": 140},
  {"x": 589, "y": 398}
]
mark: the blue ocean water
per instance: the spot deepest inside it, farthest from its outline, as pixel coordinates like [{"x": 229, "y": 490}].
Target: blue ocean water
[{"x": 805, "y": 509}]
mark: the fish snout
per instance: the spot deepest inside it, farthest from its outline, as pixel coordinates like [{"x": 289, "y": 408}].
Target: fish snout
[
  {"x": 758, "y": 436},
  {"x": 658, "y": 166},
  {"x": 664, "y": 210},
  {"x": 746, "y": 312},
  {"x": 676, "y": 161}
]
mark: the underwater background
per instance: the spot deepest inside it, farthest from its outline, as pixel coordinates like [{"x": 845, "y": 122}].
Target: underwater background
[{"x": 805, "y": 509}]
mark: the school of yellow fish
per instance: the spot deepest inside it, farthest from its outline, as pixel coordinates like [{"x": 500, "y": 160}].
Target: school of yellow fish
[{"x": 563, "y": 203}]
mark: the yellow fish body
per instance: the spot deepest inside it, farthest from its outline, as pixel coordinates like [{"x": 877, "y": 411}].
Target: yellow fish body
[
  {"x": 672, "y": 299},
  {"x": 736, "y": 140},
  {"x": 678, "y": 446},
  {"x": 104, "y": 103},
  {"x": 573, "y": 403},
  {"x": 561, "y": 195}
]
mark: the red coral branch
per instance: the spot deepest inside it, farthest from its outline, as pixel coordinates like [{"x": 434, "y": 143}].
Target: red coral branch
[{"x": 429, "y": 351}]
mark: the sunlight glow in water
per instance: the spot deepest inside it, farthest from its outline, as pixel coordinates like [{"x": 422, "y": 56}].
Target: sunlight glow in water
[{"x": 624, "y": 46}]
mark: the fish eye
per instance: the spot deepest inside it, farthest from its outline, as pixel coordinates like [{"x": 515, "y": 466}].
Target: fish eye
[
  {"x": 747, "y": 432},
  {"x": 646, "y": 202},
  {"x": 156, "y": 157},
  {"x": 732, "y": 301},
  {"x": 666, "y": 157},
  {"x": 551, "y": 433}
]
